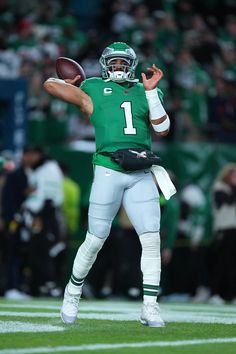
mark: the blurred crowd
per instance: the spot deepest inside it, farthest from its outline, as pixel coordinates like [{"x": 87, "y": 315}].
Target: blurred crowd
[{"x": 193, "y": 42}]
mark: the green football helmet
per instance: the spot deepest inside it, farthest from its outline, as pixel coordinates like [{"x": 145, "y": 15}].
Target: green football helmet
[{"x": 119, "y": 73}]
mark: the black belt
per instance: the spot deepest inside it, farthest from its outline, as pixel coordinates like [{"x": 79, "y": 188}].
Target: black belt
[{"x": 133, "y": 159}]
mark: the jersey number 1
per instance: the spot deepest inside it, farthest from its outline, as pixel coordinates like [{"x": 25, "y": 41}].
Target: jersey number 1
[{"x": 129, "y": 129}]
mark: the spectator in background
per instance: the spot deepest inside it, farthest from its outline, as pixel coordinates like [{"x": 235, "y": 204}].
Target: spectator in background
[
  {"x": 14, "y": 193},
  {"x": 192, "y": 227},
  {"x": 87, "y": 12},
  {"x": 120, "y": 16},
  {"x": 184, "y": 11},
  {"x": 222, "y": 110},
  {"x": 187, "y": 266},
  {"x": 227, "y": 34},
  {"x": 192, "y": 84},
  {"x": 9, "y": 61},
  {"x": 6, "y": 165},
  {"x": 229, "y": 58},
  {"x": 223, "y": 261},
  {"x": 90, "y": 55},
  {"x": 47, "y": 227},
  {"x": 71, "y": 37},
  {"x": 134, "y": 33},
  {"x": 38, "y": 104},
  {"x": 25, "y": 42},
  {"x": 167, "y": 39},
  {"x": 205, "y": 49}
]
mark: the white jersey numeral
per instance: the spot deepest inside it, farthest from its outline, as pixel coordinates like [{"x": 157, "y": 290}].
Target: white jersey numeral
[{"x": 129, "y": 129}]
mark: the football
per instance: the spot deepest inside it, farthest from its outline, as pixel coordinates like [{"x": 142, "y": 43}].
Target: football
[{"x": 67, "y": 68}]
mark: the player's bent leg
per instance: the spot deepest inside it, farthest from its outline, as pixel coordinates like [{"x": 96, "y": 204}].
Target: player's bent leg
[
  {"x": 84, "y": 260},
  {"x": 105, "y": 199},
  {"x": 151, "y": 269}
]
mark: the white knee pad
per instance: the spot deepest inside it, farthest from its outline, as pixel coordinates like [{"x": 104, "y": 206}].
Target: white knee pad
[
  {"x": 86, "y": 255},
  {"x": 151, "y": 257}
]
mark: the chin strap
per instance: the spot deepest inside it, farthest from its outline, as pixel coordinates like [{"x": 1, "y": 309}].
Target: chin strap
[{"x": 126, "y": 80}]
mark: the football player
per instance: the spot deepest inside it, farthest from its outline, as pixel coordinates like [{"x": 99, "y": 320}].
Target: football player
[{"x": 122, "y": 110}]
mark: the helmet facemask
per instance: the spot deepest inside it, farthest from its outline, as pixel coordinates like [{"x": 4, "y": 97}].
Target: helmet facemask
[{"x": 119, "y": 72}]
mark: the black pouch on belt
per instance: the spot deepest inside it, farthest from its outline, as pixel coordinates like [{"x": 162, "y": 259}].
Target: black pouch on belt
[{"x": 133, "y": 159}]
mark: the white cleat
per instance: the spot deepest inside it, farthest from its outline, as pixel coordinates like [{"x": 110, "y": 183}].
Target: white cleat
[
  {"x": 150, "y": 315},
  {"x": 216, "y": 300},
  {"x": 70, "y": 307},
  {"x": 15, "y": 294}
]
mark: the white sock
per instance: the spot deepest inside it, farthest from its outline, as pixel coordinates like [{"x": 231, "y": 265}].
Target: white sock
[{"x": 150, "y": 265}]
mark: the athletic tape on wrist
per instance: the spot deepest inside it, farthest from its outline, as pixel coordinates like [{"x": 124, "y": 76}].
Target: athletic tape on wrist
[
  {"x": 156, "y": 109},
  {"x": 159, "y": 128},
  {"x": 56, "y": 80}
]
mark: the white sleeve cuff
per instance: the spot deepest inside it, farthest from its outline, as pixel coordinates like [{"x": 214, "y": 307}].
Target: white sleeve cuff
[{"x": 165, "y": 125}]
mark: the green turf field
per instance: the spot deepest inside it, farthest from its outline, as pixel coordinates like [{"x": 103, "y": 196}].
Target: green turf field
[{"x": 112, "y": 327}]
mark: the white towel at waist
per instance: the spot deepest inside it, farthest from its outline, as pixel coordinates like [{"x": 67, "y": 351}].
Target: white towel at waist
[{"x": 163, "y": 180}]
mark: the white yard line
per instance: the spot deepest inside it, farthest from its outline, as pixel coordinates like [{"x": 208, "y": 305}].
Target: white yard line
[
  {"x": 30, "y": 306},
  {"x": 17, "y": 326},
  {"x": 29, "y": 314},
  {"x": 169, "y": 316},
  {"x": 200, "y": 307},
  {"x": 124, "y": 307},
  {"x": 123, "y": 311},
  {"x": 83, "y": 306},
  {"x": 94, "y": 347}
]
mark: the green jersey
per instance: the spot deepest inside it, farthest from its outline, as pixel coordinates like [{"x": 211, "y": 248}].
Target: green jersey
[{"x": 120, "y": 118}]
